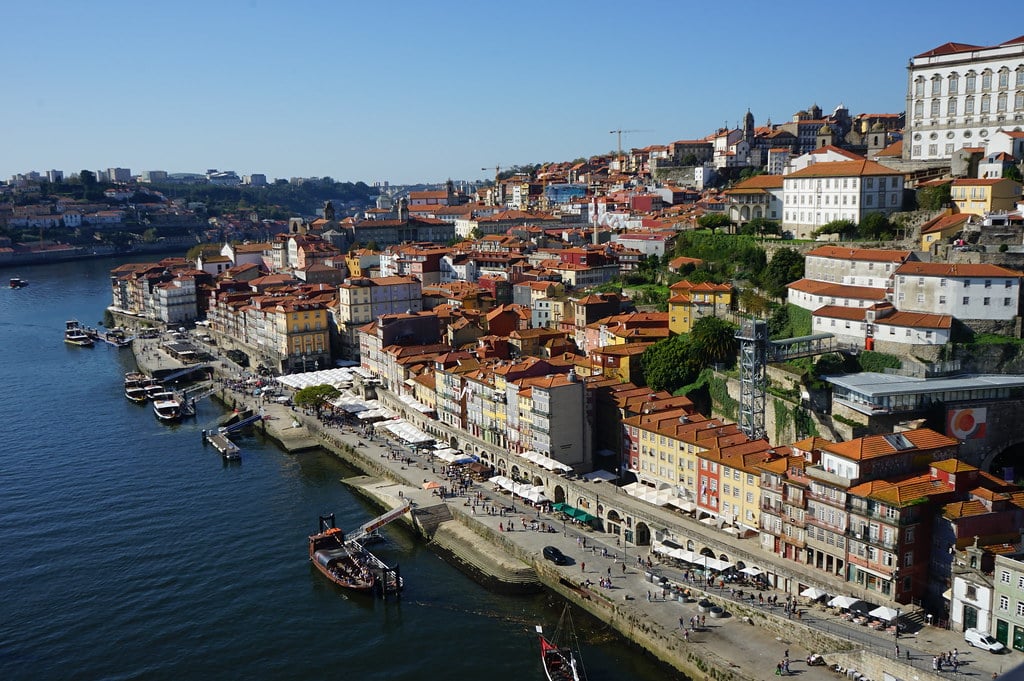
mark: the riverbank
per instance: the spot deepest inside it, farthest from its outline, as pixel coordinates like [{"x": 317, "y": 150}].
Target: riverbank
[{"x": 645, "y": 604}]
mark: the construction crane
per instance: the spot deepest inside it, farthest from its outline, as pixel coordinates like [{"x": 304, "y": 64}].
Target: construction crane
[
  {"x": 618, "y": 134},
  {"x": 497, "y": 171}
]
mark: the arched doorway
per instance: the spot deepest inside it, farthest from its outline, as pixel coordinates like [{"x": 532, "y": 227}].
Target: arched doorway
[
  {"x": 559, "y": 494},
  {"x": 453, "y": 442},
  {"x": 642, "y": 535}
]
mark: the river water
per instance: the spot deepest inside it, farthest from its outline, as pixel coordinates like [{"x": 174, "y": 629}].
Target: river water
[{"x": 130, "y": 551}]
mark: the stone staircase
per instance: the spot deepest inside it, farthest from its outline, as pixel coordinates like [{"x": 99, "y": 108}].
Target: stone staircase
[{"x": 427, "y": 519}]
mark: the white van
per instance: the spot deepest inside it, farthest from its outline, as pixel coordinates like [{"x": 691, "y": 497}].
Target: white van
[{"x": 979, "y": 639}]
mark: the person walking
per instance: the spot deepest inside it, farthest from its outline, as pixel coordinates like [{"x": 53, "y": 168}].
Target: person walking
[{"x": 583, "y": 566}]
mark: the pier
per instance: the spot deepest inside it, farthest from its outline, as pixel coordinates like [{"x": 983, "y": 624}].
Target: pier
[{"x": 228, "y": 449}]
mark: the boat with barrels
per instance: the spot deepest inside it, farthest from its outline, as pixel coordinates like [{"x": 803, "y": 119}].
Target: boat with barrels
[{"x": 348, "y": 563}]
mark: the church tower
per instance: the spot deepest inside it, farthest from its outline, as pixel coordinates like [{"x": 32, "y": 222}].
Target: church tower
[{"x": 748, "y": 127}]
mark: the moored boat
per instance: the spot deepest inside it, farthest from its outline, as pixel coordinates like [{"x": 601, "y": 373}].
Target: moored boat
[
  {"x": 153, "y": 388},
  {"x": 74, "y": 334},
  {"x": 135, "y": 387},
  {"x": 347, "y": 563},
  {"x": 167, "y": 407},
  {"x": 18, "y": 282},
  {"x": 561, "y": 663}
]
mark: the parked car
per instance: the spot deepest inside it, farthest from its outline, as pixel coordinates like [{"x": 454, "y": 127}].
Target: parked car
[
  {"x": 555, "y": 556},
  {"x": 979, "y": 639}
]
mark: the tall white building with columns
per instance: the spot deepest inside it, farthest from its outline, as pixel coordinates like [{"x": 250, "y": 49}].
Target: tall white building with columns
[{"x": 958, "y": 95}]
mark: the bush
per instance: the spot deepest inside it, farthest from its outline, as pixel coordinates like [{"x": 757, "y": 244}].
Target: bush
[{"x": 878, "y": 361}]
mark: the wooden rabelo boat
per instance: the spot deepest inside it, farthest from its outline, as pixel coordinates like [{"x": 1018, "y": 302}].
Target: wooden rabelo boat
[
  {"x": 346, "y": 561},
  {"x": 561, "y": 660}
]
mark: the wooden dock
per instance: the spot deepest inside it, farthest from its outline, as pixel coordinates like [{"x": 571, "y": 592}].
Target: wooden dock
[{"x": 228, "y": 449}]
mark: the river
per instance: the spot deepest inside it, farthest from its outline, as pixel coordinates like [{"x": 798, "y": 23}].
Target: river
[{"x": 130, "y": 551}]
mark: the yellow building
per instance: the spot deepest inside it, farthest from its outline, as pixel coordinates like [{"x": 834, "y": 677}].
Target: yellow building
[
  {"x": 301, "y": 335},
  {"x": 620, "y": 362},
  {"x": 939, "y": 230},
  {"x": 981, "y": 196},
  {"x": 689, "y": 302}
]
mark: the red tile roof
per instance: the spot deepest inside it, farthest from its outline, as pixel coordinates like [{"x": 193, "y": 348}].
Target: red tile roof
[{"x": 949, "y": 270}]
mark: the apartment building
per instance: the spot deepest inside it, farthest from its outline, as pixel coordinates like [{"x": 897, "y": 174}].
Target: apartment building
[{"x": 362, "y": 300}]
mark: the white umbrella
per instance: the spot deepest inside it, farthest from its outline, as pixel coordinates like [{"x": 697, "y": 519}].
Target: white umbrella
[
  {"x": 813, "y": 593},
  {"x": 752, "y": 570},
  {"x": 842, "y": 601},
  {"x": 884, "y": 613}
]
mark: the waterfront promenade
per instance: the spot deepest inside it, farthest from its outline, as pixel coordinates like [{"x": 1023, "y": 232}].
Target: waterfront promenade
[{"x": 728, "y": 647}]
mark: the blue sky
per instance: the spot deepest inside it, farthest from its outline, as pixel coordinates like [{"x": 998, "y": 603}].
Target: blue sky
[{"x": 433, "y": 89}]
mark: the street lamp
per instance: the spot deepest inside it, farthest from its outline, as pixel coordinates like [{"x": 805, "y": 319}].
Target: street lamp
[{"x": 303, "y": 364}]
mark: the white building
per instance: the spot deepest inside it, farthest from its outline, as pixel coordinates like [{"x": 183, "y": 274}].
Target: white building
[
  {"x": 958, "y": 95},
  {"x": 965, "y": 291},
  {"x": 853, "y": 326},
  {"x": 811, "y": 294},
  {"x": 841, "y": 190},
  {"x": 870, "y": 267}
]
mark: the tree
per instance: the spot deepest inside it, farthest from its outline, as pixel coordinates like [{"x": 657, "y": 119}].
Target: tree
[
  {"x": 844, "y": 228},
  {"x": 690, "y": 160},
  {"x": 669, "y": 364},
  {"x": 714, "y": 221},
  {"x": 316, "y": 396},
  {"x": 713, "y": 340},
  {"x": 785, "y": 267},
  {"x": 875, "y": 226},
  {"x": 934, "y": 197},
  {"x": 762, "y": 226},
  {"x": 1013, "y": 173}
]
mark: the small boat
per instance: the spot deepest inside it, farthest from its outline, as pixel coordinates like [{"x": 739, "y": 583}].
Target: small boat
[
  {"x": 153, "y": 388},
  {"x": 347, "y": 563},
  {"x": 167, "y": 407},
  {"x": 74, "y": 334},
  {"x": 135, "y": 387},
  {"x": 561, "y": 663},
  {"x": 18, "y": 282}
]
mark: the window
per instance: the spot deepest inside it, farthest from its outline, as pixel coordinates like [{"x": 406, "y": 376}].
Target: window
[
  {"x": 969, "y": 105},
  {"x": 1001, "y": 102},
  {"x": 1004, "y": 576},
  {"x": 986, "y": 80},
  {"x": 935, "y": 108},
  {"x": 954, "y": 82},
  {"x": 937, "y": 85},
  {"x": 933, "y": 149},
  {"x": 920, "y": 297},
  {"x": 1004, "y": 603},
  {"x": 970, "y": 83},
  {"x": 1004, "y": 78},
  {"x": 908, "y": 559},
  {"x": 967, "y": 300},
  {"x": 1020, "y": 609},
  {"x": 988, "y": 283},
  {"x": 1006, "y": 302},
  {"x": 919, "y": 87},
  {"x": 942, "y": 300},
  {"x": 986, "y": 103},
  {"x": 986, "y": 300},
  {"x": 1018, "y": 101}
]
